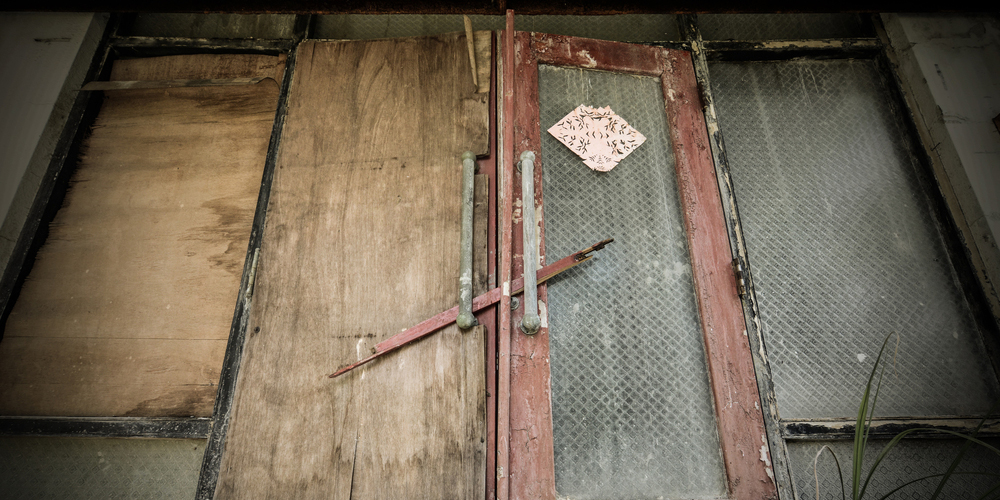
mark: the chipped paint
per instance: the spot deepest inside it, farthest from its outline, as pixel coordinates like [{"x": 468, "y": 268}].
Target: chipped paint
[
  {"x": 506, "y": 289},
  {"x": 591, "y": 62},
  {"x": 739, "y": 250},
  {"x": 766, "y": 458},
  {"x": 814, "y": 44},
  {"x": 543, "y": 313}
]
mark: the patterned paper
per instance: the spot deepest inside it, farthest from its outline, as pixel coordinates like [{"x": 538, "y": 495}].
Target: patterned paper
[{"x": 597, "y": 135}]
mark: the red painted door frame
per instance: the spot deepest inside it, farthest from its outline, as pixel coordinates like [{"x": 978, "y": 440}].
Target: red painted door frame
[{"x": 525, "y": 466}]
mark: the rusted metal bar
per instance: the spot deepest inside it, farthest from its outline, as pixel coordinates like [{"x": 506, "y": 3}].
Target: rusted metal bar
[
  {"x": 483, "y": 301},
  {"x": 531, "y": 322}
]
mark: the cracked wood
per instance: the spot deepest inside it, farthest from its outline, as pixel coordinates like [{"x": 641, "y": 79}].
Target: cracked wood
[{"x": 361, "y": 242}]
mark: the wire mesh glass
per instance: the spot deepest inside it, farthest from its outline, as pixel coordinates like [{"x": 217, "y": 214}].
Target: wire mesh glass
[
  {"x": 99, "y": 468},
  {"x": 842, "y": 245},
  {"x": 783, "y": 26},
  {"x": 631, "y": 402},
  {"x": 626, "y": 27},
  {"x": 977, "y": 472},
  {"x": 266, "y": 26}
]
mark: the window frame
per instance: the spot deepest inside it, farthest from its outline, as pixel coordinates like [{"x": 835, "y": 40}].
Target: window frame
[
  {"x": 731, "y": 372},
  {"x": 934, "y": 184}
]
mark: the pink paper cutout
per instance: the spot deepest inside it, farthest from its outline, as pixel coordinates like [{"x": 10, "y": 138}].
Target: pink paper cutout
[{"x": 598, "y": 136}]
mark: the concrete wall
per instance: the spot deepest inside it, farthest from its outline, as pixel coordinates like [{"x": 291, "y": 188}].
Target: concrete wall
[
  {"x": 41, "y": 73},
  {"x": 950, "y": 70}
]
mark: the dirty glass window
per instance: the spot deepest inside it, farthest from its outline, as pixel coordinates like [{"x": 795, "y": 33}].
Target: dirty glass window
[
  {"x": 844, "y": 248},
  {"x": 631, "y": 404}
]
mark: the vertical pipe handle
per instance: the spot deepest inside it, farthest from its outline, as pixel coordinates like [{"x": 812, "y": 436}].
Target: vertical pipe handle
[
  {"x": 530, "y": 323},
  {"x": 465, "y": 318}
]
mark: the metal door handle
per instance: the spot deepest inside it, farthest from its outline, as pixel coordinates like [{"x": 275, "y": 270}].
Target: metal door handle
[
  {"x": 465, "y": 318},
  {"x": 530, "y": 323}
]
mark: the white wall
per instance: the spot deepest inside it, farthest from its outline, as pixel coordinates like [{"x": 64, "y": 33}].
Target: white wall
[
  {"x": 950, "y": 69},
  {"x": 37, "y": 54},
  {"x": 960, "y": 59}
]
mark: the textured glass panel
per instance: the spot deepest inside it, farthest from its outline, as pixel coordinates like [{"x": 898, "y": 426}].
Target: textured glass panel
[
  {"x": 909, "y": 460},
  {"x": 783, "y": 26},
  {"x": 99, "y": 468},
  {"x": 629, "y": 27},
  {"x": 631, "y": 404},
  {"x": 275, "y": 26},
  {"x": 842, "y": 246}
]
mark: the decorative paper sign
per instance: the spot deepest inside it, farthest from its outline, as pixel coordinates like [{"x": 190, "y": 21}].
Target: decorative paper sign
[{"x": 597, "y": 135}]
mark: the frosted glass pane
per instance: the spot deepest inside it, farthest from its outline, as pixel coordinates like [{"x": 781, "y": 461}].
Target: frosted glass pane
[
  {"x": 911, "y": 459},
  {"x": 99, "y": 468},
  {"x": 631, "y": 402},
  {"x": 783, "y": 26},
  {"x": 842, "y": 245}
]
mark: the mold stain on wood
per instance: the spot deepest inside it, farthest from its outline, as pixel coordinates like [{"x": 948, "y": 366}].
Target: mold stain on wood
[{"x": 127, "y": 309}]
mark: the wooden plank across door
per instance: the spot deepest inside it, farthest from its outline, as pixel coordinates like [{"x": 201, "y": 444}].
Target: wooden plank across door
[
  {"x": 128, "y": 307},
  {"x": 362, "y": 242}
]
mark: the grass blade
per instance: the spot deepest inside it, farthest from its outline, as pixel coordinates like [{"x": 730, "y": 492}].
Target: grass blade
[
  {"x": 862, "y": 425},
  {"x": 843, "y": 493}
]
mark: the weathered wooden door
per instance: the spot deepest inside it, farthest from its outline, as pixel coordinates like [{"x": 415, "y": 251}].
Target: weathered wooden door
[
  {"x": 361, "y": 241},
  {"x": 640, "y": 383}
]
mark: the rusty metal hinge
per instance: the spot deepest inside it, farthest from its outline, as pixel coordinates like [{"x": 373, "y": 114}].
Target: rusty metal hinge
[{"x": 741, "y": 284}]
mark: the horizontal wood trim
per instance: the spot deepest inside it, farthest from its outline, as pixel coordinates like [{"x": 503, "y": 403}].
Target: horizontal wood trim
[
  {"x": 815, "y": 429},
  {"x": 188, "y": 428},
  {"x": 773, "y": 50},
  {"x": 824, "y": 44},
  {"x": 602, "y": 55},
  {"x": 131, "y": 44},
  {"x": 166, "y": 84},
  {"x": 200, "y": 67}
]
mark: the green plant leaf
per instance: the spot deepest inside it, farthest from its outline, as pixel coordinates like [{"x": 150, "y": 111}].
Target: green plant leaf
[
  {"x": 931, "y": 476},
  {"x": 863, "y": 424},
  {"x": 843, "y": 493}
]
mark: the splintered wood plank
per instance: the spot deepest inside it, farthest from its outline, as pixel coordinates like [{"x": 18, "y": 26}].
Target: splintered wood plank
[
  {"x": 200, "y": 66},
  {"x": 361, "y": 242},
  {"x": 129, "y": 303}
]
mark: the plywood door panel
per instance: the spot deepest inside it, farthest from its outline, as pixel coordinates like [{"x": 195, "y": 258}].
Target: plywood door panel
[
  {"x": 362, "y": 242},
  {"x": 119, "y": 377},
  {"x": 129, "y": 303}
]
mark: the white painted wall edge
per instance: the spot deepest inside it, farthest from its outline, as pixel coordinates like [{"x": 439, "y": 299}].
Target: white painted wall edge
[
  {"x": 83, "y": 31},
  {"x": 914, "y": 71}
]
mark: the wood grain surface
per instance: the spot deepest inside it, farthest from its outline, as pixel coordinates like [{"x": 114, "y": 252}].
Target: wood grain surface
[
  {"x": 128, "y": 306},
  {"x": 200, "y": 66},
  {"x": 361, "y": 242}
]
